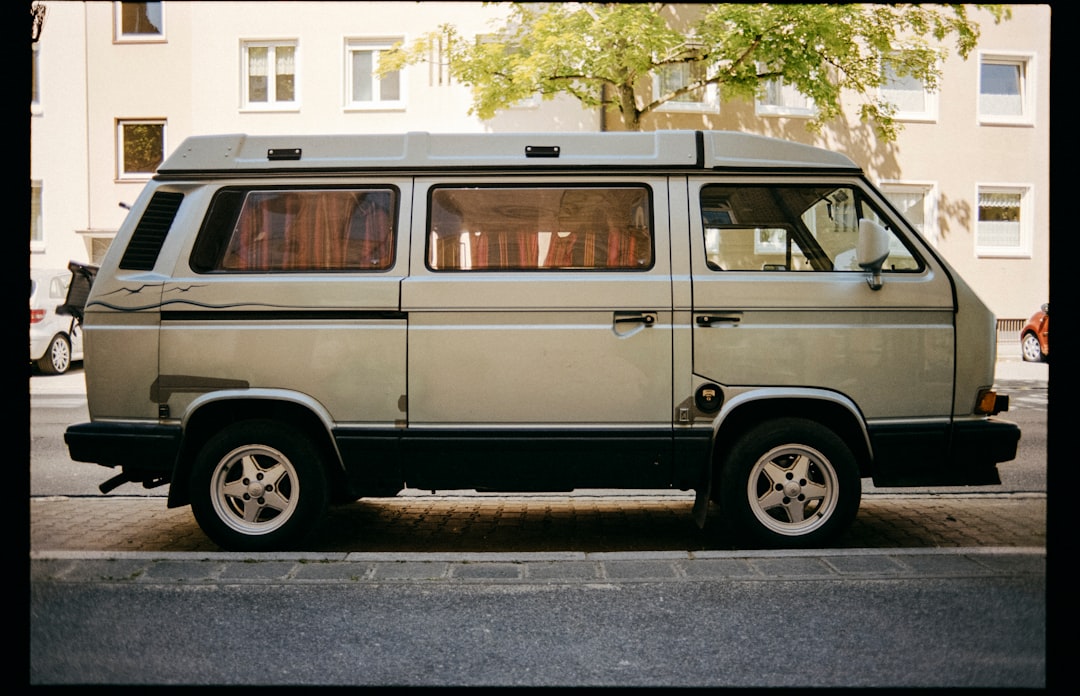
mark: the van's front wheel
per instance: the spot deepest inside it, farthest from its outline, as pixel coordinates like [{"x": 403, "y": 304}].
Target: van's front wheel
[
  {"x": 258, "y": 486},
  {"x": 790, "y": 483}
]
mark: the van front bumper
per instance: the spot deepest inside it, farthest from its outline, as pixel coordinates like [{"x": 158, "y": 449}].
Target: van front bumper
[{"x": 963, "y": 453}]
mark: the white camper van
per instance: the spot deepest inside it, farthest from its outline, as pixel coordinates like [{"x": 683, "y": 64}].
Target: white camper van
[{"x": 287, "y": 322}]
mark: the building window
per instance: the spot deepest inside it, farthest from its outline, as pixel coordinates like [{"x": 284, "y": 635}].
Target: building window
[
  {"x": 1004, "y": 225},
  {"x": 439, "y": 62},
  {"x": 269, "y": 74},
  {"x": 781, "y": 99},
  {"x": 909, "y": 95},
  {"x": 139, "y": 21},
  {"x": 141, "y": 148},
  {"x": 916, "y": 202},
  {"x": 37, "y": 232},
  {"x": 98, "y": 247},
  {"x": 35, "y": 91},
  {"x": 364, "y": 88},
  {"x": 673, "y": 77},
  {"x": 1006, "y": 90}
]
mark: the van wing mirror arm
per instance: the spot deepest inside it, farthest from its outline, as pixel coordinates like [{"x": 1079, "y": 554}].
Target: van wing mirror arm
[
  {"x": 872, "y": 250},
  {"x": 874, "y": 279}
]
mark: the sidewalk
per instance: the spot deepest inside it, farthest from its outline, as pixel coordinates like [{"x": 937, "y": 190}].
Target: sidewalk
[
  {"x": 1014, "y": 369},
  {"x": 585, "y": 522}
]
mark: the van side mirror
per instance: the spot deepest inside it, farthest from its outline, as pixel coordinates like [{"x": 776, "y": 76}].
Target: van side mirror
[{"x": 871, "y": 250}]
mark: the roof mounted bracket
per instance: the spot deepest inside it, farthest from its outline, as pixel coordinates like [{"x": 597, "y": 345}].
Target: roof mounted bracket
[
  {"x": 541, "y": 150},
  {"x": 283, "y": 153}
]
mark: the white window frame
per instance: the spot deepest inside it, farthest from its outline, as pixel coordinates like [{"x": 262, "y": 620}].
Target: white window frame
[
  {"x": 1026, "y": 63},
  {"x": 710, "y": 104},
  {"x": 375, "y": 45},
  {"x": 808, "y": 110},
  {"x": 272, "y": 103},
  {"x": 1026, "y": 234},
  {"x": 118, "y": 26},
  {"x": 37, "y": 224},
  {"x": 929, "y": 191},
  {"x": 121, "y": 174},
  {"x": 929, "y": 112}
]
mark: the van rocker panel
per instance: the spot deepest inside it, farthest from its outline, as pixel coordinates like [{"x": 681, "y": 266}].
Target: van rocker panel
[{"x": 521, "y": 459}]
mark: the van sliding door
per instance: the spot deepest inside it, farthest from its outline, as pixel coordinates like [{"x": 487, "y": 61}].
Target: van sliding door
[{"x": 539, "y": 333}]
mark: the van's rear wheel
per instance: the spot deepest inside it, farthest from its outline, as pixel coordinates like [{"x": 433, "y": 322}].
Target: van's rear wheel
[
  {"x": 258, "y": 486},
  {"x": 790, "y": 483}
]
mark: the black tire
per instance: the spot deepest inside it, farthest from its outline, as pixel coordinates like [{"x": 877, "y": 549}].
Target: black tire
[
  {"x": 790, "y": 483},
  {"x": 57, "y": 358},
  {"x": 258, "y": 485}
]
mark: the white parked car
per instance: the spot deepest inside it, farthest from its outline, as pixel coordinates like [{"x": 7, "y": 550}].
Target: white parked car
[{"x": 55, "y": 339}]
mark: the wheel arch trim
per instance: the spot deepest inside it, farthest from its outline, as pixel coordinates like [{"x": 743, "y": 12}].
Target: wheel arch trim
[
  {"x": 272, "y": 402},
  {"x": 789, "y": 401},
  {"x": 284, "y": 395}
]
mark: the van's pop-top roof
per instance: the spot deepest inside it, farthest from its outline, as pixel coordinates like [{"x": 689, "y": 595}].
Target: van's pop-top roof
[{"x": 723, "y": 150}]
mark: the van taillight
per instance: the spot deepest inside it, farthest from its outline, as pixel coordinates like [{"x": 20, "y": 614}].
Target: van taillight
[{"x": 36, "y": 315}]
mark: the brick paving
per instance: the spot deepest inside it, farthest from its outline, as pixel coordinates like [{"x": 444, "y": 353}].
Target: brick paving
[{"x": 541, "y": 523}]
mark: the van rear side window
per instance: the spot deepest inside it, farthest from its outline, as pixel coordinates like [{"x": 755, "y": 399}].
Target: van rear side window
[
  {"x": 252, "y": 230},
  {"x": 541, "y": 228}
]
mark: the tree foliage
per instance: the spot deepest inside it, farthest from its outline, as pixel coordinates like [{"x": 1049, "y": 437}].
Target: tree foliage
[{"x": 606, "y": 54}]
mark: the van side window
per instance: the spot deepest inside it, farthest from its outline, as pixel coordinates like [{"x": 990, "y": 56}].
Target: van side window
[
  {"x": 789, "y": 228},
  {"x": 251, "y": 230},
  {"x": 541, "y": 228}
]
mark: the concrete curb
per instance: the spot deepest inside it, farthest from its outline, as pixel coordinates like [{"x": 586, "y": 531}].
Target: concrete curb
[{"x": 532, "y": 569}]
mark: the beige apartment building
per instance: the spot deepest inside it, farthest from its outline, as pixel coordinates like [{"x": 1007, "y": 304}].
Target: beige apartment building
[{"x": 118, "y": 85}]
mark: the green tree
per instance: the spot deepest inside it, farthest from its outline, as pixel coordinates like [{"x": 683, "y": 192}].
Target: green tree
[{"x": 606, "y": 54}]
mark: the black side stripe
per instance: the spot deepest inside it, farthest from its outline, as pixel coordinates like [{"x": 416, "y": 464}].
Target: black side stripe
[{"x": 284, "y": 315}]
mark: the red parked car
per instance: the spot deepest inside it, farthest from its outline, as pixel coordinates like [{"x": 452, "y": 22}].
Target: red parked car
[{"x": 1035, "y": 336}]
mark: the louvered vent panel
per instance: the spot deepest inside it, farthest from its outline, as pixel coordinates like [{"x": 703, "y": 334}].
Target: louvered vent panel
[{"x": 142, "y": 251}]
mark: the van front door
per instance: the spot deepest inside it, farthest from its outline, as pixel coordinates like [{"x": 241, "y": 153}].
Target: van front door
[
  {"x": 779, "y": 301},
  {"x": 539, "y": 337}
]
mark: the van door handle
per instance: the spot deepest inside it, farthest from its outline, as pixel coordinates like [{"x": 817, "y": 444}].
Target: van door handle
[
  {"x": 646, "y": 318},
  {"x": 710, "y": 319}
]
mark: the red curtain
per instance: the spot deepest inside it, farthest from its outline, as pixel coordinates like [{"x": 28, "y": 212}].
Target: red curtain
[
  {"x": 313, "y": 231},
  {"x": 513, "y": 249}
]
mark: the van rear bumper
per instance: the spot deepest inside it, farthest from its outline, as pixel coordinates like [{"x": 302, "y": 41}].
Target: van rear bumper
[
  {"x": 138, "y": 447},
  {"x": 964, "y": 453}
]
